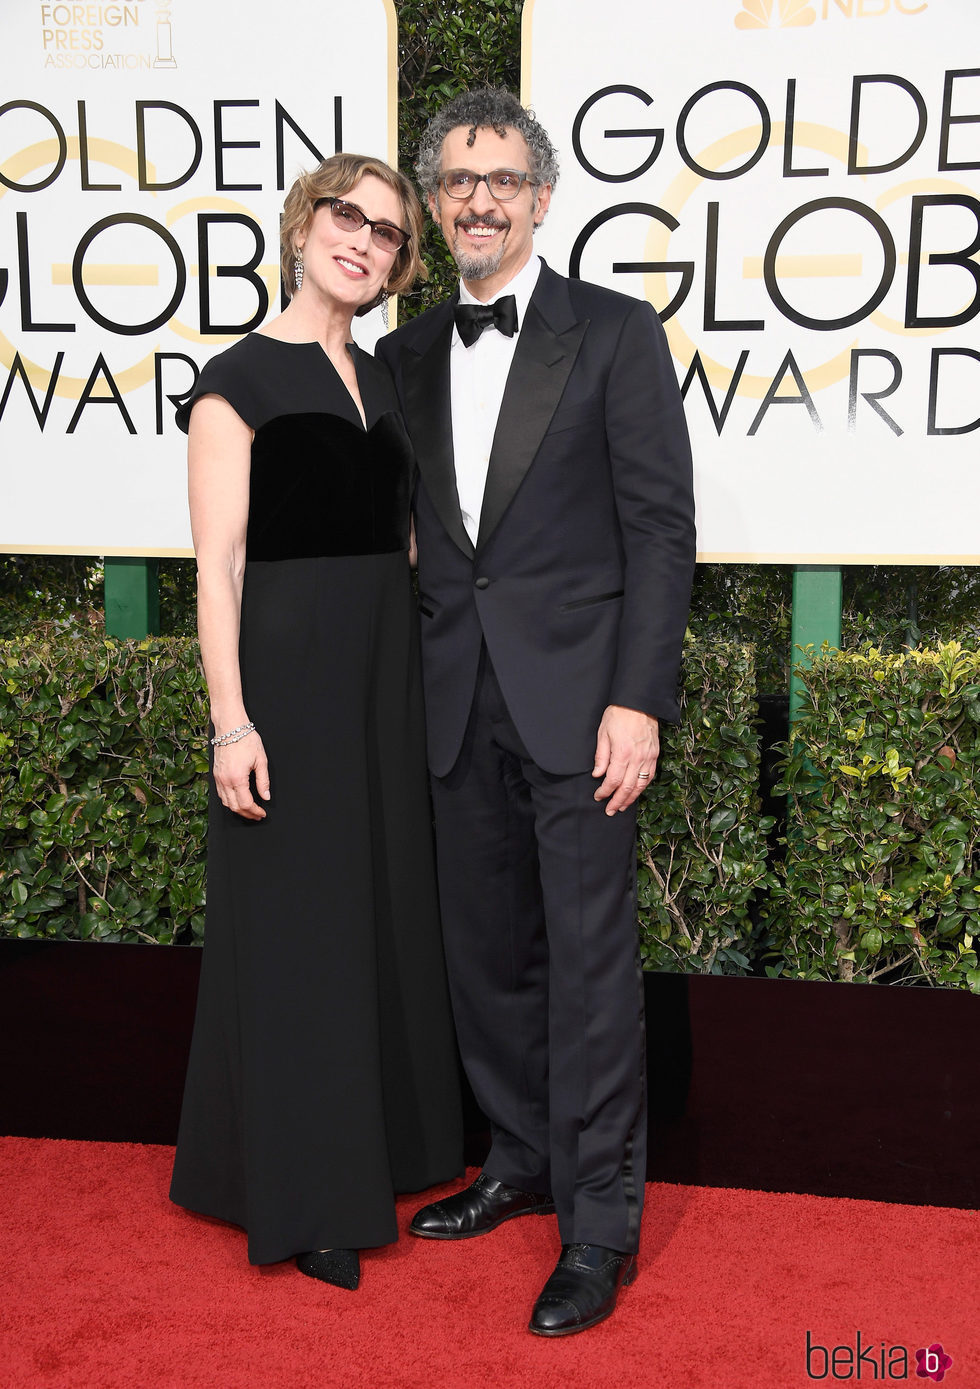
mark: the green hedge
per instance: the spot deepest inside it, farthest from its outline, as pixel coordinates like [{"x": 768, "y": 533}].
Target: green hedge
[
  {"x": 702, "y": 842},
  {"x": 882, "y": 873},
  {"x": 102, "y": 801},
  {"x": 103, "y": 810},
  {"x": 444, "y": 49},
  {"x": 103, "y": 791}
]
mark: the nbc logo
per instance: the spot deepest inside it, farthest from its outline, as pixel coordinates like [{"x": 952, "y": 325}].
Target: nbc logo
[
  {"x": 758, "y": 14},
  {"x": 794, "y": 14}
]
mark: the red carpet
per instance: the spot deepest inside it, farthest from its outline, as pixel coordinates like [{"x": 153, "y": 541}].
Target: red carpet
[{"x": 105, "y": 1283}]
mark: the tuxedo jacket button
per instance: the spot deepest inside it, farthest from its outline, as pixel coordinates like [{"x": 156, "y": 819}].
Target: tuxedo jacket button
[{"x": 483, "y": 583}]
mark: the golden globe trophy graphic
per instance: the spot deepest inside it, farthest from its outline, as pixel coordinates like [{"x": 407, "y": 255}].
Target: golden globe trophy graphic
[{"x": 165, "y": 39}]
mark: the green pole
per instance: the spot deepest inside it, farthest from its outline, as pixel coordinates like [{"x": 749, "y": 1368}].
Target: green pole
[
  {"x": 816, "y": 618},
  {"x": 132, "y": 599}
]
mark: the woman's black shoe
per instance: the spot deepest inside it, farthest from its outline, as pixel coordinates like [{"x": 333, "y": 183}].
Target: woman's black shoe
[{"x": 342, "y": 1267}]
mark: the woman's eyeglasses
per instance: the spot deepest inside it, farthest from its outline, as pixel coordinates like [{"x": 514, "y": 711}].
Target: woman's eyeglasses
[{"x": 350, "y": 218}]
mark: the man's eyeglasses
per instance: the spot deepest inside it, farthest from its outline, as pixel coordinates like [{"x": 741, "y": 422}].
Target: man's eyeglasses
[
  {"x": 503, "y": 184},
  {"x": 350, "y": 218}
]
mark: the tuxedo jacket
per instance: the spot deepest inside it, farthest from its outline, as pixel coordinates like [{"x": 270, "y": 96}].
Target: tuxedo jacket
[{"x": 579, "y": 582}]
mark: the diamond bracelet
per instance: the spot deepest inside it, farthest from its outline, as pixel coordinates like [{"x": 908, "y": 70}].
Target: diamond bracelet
[{"x": 221, "y": 740}]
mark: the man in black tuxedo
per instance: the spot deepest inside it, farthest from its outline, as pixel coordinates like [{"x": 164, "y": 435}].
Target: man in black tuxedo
[{"x": 555, "y": 526}]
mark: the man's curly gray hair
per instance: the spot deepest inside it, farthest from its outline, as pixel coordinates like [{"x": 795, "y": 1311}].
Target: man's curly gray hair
[{"x": 492, "y": 108}]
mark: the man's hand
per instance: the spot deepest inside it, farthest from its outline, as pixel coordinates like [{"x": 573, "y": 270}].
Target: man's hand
[{"x": 626, "y": 753}]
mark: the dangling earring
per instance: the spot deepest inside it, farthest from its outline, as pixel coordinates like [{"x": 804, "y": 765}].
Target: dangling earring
[
  {"x": 298, "y": 271},
  {"x": 384, "y": 307}
]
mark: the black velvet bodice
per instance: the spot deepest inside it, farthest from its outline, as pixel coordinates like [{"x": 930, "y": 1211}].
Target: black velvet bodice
[{"x": 321, "y": 485}]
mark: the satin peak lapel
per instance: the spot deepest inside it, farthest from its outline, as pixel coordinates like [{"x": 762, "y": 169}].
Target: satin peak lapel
[
  {"x": 428, "y": 411},
  {"x": 542, "y": 363}
]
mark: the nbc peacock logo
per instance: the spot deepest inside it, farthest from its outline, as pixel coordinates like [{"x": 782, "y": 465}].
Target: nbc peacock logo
[{"x": 774, "y": 14}]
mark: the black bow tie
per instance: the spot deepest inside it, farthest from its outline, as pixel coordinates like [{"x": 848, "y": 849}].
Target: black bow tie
[{"x": 472, "y": 319}]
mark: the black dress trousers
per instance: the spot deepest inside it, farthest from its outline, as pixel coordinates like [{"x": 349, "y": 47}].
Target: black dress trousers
[{"x": 538, "y": 891}]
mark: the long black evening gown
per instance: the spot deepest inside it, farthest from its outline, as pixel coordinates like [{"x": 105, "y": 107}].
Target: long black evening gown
[{"x": 322, "y": 1076}]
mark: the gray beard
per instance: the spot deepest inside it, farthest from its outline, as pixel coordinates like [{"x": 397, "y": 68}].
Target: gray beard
[{"x": 478, "y": 267}]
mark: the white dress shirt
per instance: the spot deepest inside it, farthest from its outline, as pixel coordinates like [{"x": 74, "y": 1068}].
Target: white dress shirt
[{"x": 477, "y": 377}]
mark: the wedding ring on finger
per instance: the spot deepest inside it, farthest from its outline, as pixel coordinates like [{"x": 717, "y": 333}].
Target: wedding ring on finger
[{"x": 643, "y": 776}]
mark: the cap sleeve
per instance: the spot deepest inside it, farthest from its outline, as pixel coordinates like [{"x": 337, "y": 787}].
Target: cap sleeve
[{"x": 226, "y": 375}]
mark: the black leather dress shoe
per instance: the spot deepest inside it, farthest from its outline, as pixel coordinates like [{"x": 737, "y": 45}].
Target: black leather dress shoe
[
  {"x": 582, "y": 1290},
  {"x": 477, "y": 1209},
  {"x": 341, "y": 1267}
]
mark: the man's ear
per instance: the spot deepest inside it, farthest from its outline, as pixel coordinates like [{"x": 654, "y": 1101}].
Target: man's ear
[
  {"x": 544, "y": 202},
  {"x": 434, "y": 206}
]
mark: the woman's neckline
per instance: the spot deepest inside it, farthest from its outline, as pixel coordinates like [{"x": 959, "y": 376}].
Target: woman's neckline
[
  {"x": 359, "y": 410},
  {"x": 297, "y": 342}
]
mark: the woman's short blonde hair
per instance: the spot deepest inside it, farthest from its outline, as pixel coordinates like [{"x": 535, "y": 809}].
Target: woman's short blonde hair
[{"x": 332, "y": 179}]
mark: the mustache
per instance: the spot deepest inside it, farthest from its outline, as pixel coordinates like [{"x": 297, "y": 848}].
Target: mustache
[{"x": 498, "y": 223}]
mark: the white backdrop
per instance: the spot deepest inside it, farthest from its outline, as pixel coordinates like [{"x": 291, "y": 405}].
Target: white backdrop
[
  {"x": 835, "y": 398},
  {"x": 101, "y": 106}
]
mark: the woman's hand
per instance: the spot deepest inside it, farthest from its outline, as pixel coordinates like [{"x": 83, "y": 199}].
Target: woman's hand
[{"x": 233, "y": 767}]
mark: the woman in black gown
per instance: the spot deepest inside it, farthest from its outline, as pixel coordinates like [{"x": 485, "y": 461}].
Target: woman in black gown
[{"x": 322, "y": 1076}]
